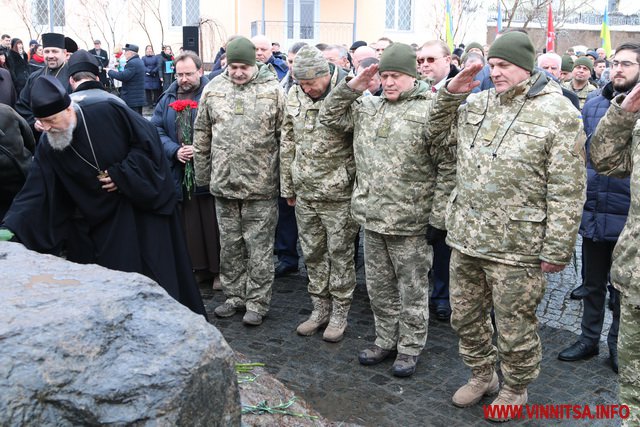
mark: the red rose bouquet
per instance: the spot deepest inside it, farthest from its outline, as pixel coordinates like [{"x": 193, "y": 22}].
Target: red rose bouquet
[{"x": 184, "y": 125}]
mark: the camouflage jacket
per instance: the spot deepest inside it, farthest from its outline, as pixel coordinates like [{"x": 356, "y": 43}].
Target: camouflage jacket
[
  {"x": 582, "y": 93},
  {"x": 402, "y": 174},
  {"x": 521, "y": 175},
  {"x": 236, "y": 136},
  {"x": 614, "y": 150},
  {"x": 316, "y": 162}
]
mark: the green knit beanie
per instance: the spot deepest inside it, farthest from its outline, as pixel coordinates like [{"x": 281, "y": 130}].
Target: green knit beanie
[
  {"x": 583, "y": 61},
  {"x": 516, "y": 48},
  {"x": 241, "y": 50},
  {"x": 399, "y": 57},
  {"x": 474, "y": 45},
  {"x": 567, "y": 64}
]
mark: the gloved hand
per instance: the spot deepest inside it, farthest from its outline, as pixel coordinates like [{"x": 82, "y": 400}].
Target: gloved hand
[{"x": 435, "y": 235}]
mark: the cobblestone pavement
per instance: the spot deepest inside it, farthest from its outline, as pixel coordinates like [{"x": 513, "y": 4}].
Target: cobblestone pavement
[{"x": 329, "y": 377}]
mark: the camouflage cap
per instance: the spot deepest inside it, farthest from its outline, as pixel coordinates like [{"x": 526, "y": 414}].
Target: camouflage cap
[{"x": 309, "y": 64}]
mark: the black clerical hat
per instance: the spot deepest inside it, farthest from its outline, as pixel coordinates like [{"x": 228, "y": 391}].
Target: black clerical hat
[
  {"x": 131, "y": 47},
  {"x": 53, "y": 40},
  {"x": 83, "y": 61},
  {"x": 48, "y": 97},
  {"x": 70, "y": 45}
]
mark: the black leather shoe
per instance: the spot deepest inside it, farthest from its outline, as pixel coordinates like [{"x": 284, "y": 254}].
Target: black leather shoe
[
  {"x": 613, "y": 358},
  {"x": 579, "y": 292},
  {"x": 578, "y": 351},
  {"x": 284, "y": 269}
]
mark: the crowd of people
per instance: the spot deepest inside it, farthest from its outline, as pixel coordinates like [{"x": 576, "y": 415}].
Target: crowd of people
[{"x": 473, "y": 169}]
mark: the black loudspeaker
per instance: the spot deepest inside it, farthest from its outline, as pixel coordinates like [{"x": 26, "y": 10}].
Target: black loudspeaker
[{"x": 190, "y": 39}]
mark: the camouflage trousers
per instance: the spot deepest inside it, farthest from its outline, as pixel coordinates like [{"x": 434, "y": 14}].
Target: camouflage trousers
[
  {"x": 397, "y": 268},
  {"x": 629, "y": 359},
  {"x": 476, "y": 285},
  {"x": 327, "y": 233},
  {"x": 247, "y": 231}
]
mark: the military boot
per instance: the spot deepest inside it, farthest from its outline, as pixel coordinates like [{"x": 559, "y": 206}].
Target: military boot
[
  {"x": 337, "y": 322},
  {"x": 481, "y": 383},
  {"x": 506, "y": 403},
  {"x": 319, "y": 316}
]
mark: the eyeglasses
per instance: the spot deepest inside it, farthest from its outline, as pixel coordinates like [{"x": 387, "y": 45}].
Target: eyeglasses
[
  {"x": 623, "y": 64},
  {"x": 429, "y": 59},
  {"x": 187, "y": 75}
]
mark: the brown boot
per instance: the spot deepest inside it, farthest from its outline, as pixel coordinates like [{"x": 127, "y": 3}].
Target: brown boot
[
  {"x": 337, "y": 322},
  {"x": 481, "y": 384},
  {"x": 319, "y": 316},
  {"x": 506, "y": 403}
]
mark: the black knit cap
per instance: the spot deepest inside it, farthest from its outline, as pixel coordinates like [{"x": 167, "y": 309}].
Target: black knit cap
[
  {"x": 48, "y": 97},
  {"x": 83, "y": 61},
  {"x": 399, "y": 57},
  {"x": 516, "y": 48},
  {"x": 53, "y": 40},
  {"x": 357, "y": 44}
]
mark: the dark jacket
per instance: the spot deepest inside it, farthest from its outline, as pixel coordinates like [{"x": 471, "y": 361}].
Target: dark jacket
[
  {"x": 152, "y": 66},
  {"x": 607, "y": 204},
  {"x": 132, "y": 78},
  {"x": 16, "y": 152},
  {"x": 279, "y": 65},
  {"x": 8, "y": 94},
  {"x": 164, "y": 119},
  {"x": 19, "y": 68}
]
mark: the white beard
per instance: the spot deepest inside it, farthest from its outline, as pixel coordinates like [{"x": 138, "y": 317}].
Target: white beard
[{"x": 59, "y": 140}]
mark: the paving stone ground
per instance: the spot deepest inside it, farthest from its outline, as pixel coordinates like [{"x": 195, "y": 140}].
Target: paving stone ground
[{"x": 330, "y": 379}]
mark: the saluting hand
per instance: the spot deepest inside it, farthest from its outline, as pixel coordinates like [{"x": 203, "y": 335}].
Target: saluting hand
[
  {"x": 360, "y": 83},
  {"x": 463, "y": 82},
  {"x": 631, "y": 102}
]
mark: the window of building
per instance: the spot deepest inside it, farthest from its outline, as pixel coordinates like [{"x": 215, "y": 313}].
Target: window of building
[
  {"x": 185, "y": 12},
  {"x": 40, "y": 12},
  {"x": 398, "y": 15},
  {"x": 301, "y": 19}
]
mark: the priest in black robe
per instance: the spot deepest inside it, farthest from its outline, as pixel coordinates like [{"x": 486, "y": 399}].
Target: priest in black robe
[{"x": 101, "y": 160}]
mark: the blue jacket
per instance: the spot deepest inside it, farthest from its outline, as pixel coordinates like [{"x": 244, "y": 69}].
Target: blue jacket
[
  {"x": 607, "y": 203},
  {"x": 279, "y": 65},
  {"x": 164, "y": 119},
  {"x": 132, "y": 78},
  {"x": 153, "y": 69}
]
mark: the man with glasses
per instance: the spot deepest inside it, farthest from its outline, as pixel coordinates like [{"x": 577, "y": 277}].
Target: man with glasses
[
  {"x": 434, "y": 62},
  {"x": 614, "y": 153},
  {"x": 198, "y": 209}
]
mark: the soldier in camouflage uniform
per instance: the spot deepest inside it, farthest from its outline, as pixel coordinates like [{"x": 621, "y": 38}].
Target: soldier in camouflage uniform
[
  {"x": 579, "y": 83},
  {"x": 401, "y": 182},
  {"x": 236, "y": 143},
  {"x": 513, "y": 215},
  {"x": 317, "y": 170},
  {"x": 615, "y": 152}
]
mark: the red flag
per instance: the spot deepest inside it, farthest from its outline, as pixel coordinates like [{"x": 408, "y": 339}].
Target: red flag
[{"x": 551, "y": 35}]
